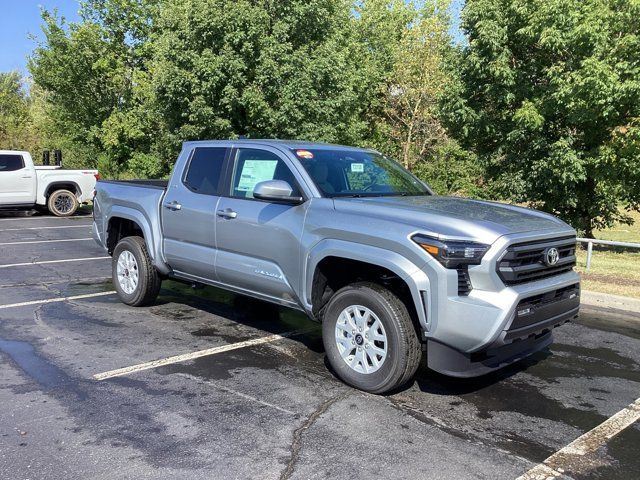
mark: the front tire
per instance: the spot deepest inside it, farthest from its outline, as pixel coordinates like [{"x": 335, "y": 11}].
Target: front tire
[
  {"x": 369, "y": 338},
  {"x": 62, "y": 203},
  {"x": 135, "y": 278}
]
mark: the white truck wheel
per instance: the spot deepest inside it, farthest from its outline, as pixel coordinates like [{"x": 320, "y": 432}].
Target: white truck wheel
[{"x": 62, "y": 203}]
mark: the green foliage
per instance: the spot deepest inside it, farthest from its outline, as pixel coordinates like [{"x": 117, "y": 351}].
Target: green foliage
[
  {"x": 261, "y": 69},
  {"x": 145, "y": 165},
  {"x": 125, "y": 86},
  {"x": 15, "y": 125},
  {"x": 452, "y": 170},
  {"x": 416, "y": 82},
  {"x": 91, "y": 72},
  {"x": 549, "y": 97}
]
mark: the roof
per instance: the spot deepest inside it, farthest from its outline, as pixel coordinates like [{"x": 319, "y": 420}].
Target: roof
[
  {"x": 13, "y": 152},
  {"x": 292, "y": 144}
]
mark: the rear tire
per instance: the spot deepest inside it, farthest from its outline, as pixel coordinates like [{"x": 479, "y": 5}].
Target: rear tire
[
  {"x": 62, "y": 203},
  {"x": 135, "y": 278},
  {"x": 370, "y": 339}
]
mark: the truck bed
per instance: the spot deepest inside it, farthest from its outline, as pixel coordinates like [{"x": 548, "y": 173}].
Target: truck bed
[{"x": 136, "y": 200}]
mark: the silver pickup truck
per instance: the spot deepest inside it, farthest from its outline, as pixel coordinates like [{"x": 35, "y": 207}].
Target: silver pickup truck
[{"x": 356, "y": 242}]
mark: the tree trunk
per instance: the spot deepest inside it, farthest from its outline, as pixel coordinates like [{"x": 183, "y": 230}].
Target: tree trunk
[
  {"x": 407, "y": 148},
  {"x": 588, "y": 231}
]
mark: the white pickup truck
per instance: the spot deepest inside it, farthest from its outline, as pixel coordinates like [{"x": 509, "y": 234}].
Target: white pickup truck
[{"x": 25, "y": 186}]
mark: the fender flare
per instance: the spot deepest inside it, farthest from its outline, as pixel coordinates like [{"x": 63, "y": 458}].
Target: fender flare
[
  {"x": 118, "y": 211},
  {"x": 413, "y": 275},
  {"x": 50, "y": 187}
]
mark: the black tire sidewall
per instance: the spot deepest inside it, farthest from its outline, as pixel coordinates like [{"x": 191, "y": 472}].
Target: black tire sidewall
[
  {"x": 387, "y": 376},
  {"x": 130, "y": 245},
  {"x": 51, "y": 203}
]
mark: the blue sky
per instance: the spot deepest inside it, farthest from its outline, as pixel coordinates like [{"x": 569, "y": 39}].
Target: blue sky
[
  {"x": 456, "y": 8},
  {"x": 20, "y": 18}
]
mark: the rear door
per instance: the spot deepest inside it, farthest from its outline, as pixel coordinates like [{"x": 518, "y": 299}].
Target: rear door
[
  {"x": 17, "y": 180},
  {"x": 188, "y": 213},
  {"x": 258, "y": 241}
]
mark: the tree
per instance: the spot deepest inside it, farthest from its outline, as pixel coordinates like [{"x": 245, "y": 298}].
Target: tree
[
  {"x": 15, "y": 125},
  {"x": 549, "y": 95},
  {"x": 404, "y": 50},
  {"x": 416, "y": 83},
  {"x": 257, "y": 68},
  {"x": 133, "y": 79},
  {"x": 92, "y": 75}
]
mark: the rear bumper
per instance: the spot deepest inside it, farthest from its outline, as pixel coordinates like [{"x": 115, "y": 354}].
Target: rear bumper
[
  {"x": 95, "y": 233},
  {"x": 528, "y": 331}
]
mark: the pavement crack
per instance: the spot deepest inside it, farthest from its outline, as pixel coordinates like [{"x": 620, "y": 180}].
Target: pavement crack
[{"x": 296, "y": 445}]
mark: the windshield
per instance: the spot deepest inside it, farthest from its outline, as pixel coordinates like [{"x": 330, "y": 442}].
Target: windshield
[{"x": 353, "y": 173}]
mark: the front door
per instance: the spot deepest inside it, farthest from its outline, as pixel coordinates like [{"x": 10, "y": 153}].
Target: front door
[
  {"x": 188, "y": 214},
  {"x": 17, "y": 181},
  {"x": 259, "y": 242}
]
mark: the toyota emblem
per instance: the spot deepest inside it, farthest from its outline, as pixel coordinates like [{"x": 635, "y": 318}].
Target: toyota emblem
[{"x": 552, "y": 256}]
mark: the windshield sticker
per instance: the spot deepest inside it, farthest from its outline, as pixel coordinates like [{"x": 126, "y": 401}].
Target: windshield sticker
[
  {"x": 256, "y": 171},
  {"x": 304, "y": 154},
  {"x": 357, "y": 167}
]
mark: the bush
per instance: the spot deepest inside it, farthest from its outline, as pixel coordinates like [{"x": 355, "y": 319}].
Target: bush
[
  {"x": 145, "y": 165},
  {"x": 452, "y": 170}
]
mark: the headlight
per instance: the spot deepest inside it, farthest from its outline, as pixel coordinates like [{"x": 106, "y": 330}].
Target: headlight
[{"x": 452, "y": 254}]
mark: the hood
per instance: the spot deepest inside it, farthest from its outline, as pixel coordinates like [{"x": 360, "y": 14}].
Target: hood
[{"x": 455, "y": 217}]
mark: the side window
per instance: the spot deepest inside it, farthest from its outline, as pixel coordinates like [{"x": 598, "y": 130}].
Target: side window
[
  {"x": 11, "y": 163},
  {"x": 204, "y": 170},
  {"x": 253, "y": 166}
]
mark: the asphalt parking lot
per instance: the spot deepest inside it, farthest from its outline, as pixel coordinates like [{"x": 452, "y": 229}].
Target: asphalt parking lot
[{"x": 207, "y": 384}]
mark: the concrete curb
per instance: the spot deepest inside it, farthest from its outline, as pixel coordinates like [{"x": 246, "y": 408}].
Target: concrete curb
[{"x": 605, "y": 300}]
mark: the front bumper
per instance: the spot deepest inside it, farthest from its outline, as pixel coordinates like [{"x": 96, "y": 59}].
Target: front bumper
[{"x": 527, "y": 330}]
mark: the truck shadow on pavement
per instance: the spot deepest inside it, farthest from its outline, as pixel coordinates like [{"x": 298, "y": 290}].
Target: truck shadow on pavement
[
  {"x": 181, "y": 302},
  {"x": 245, "y": 311},
  {"x": 429, "y": 381}
]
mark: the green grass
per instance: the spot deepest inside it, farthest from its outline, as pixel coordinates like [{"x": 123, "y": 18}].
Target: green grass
[
  {"x": 615, "y": 271},
  {"x": 622, "y": 233}
]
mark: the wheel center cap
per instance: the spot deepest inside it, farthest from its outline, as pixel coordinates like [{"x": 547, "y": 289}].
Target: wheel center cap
[
  {"x": 359, "y": 340},
  {"x": 126, "y": 272}
]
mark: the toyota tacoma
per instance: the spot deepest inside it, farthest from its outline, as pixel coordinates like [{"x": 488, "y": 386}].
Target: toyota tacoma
[{"x": 353, "y": 240}]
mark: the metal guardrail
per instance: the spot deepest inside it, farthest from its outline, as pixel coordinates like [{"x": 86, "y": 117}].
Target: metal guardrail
[{"x": 592, "y": 241}]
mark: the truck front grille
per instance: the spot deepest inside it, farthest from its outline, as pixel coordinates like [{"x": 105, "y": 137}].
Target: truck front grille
[{"x": 526, "y": 262}]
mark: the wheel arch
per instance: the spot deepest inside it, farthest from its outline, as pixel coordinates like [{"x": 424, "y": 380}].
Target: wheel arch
[
  {"x": 377, "y": 261},
  {"x": 62, "y": 185},
  {"x": 124, "y": 222}
]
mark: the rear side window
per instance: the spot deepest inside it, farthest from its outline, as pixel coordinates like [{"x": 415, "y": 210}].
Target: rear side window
[
  {"x": 11, "y": 163},
  {"x": 204, "y": 170}
]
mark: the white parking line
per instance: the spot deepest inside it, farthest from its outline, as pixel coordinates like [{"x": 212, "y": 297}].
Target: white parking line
[
  {"x": 45, "y": 262},
  {"x": 49, "y": 241},
  {"x": 15, "y": 219},
  {"x": 55, "y": 300},
  {"x": 86, "y": 225},
  {"x": 552, "y": 467},
  {"x": 190, "y": 356},
  {"x": 219, "y": 386}
]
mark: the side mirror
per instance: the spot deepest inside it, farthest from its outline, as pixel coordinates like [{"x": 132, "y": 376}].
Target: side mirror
[{"x": 277, "y": 191}]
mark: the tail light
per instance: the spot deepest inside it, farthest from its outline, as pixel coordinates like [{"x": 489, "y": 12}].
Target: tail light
[{"x": 97, "y": 175}]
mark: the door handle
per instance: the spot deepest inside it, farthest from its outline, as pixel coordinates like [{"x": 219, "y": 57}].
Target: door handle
[
  {"x": 227, "y": 213},
  {"x": 172, "y": 206},
  {"x": 26, "y": 176}
]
